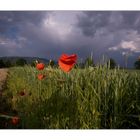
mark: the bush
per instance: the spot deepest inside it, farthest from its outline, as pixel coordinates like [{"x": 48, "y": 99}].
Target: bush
[
  {"x": 89, "y": 62},
  {"x": 111, "y": 63},
  {"x": 137, "y": 64},
  {"x": 2, "y": 64},
  {"x": 21, "y": 62}
]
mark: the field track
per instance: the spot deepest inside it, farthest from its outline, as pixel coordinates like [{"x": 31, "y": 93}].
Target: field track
[{"x": 3, "y": 76}]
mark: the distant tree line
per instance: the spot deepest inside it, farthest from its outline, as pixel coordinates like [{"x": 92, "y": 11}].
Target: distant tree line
[
  {"x": 111, "y": 63},
  {"x": 88, "y": 62},
  {"x": 137, "y": 63},
  {"x": 8, "y": 63}
]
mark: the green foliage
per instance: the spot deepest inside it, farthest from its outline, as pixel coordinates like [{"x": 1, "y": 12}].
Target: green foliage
[
  {"x": 33, "y": 64},
  {"x": 84, "y": 98},
  {"x": 8, "y": 63},
  {"x": 5, "y": 63},
  {"x": 89, "y": 62},
  {"x": 21, "y": 62},
  {"x": 51, "y": 63},
  {"x": 2, "y": 64},
  {"x": 111, "y": 63},
  {"x": 137, "y": 64}
]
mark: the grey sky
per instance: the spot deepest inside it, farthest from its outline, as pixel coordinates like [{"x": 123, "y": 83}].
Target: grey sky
[{"x": 48, "y": 34}]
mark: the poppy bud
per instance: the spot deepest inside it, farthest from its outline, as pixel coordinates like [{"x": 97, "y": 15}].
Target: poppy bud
[
  {"x": 40, "y": 76},
  {"x": 15, "y": 120}
]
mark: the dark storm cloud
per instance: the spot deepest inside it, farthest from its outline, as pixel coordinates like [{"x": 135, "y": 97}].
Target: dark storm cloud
[
  {"x": 50, "y": 33},
  {"x": 10, "y": 22},
  {"x": 14, "y": 25},
  {"x": 89, "y": 22},
  {"x": 131, "y": 19},
  {"x": 17, "y": 17}
]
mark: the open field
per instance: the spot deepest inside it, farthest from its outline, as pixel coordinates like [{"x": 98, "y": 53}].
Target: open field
[{"x": 84, "y": 98}]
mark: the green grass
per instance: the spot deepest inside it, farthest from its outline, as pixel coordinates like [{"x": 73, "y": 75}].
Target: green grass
[{"x": 88, "y": 98}]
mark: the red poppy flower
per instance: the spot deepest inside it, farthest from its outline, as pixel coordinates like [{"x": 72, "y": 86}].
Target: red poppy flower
[
  {"x": 40, "y": 76},
  {"x": 67, "y": 62},
  {"x": 40, "y": 66},
  {"x": 15, "y": 120}
]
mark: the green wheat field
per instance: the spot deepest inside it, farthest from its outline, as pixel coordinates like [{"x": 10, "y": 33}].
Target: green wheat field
[{"x": 88, "y": 98}]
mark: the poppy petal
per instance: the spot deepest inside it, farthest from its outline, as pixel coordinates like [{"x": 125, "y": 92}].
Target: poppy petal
[
  {"x": 71, "y": 57},
  {"x": 65, "y": 67},
  {"x": 66, "y": 62}
]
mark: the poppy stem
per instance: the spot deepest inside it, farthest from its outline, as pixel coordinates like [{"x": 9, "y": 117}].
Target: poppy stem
[
  {"x": 39, "y": 89},
  {"x": 5, "y": 116},
  {"x": 68, "y": 74}
]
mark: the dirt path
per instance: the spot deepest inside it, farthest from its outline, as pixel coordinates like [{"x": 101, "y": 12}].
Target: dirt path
[
  {"x": 3, "y": 76},
  {"x": 4, "y": 105}
]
